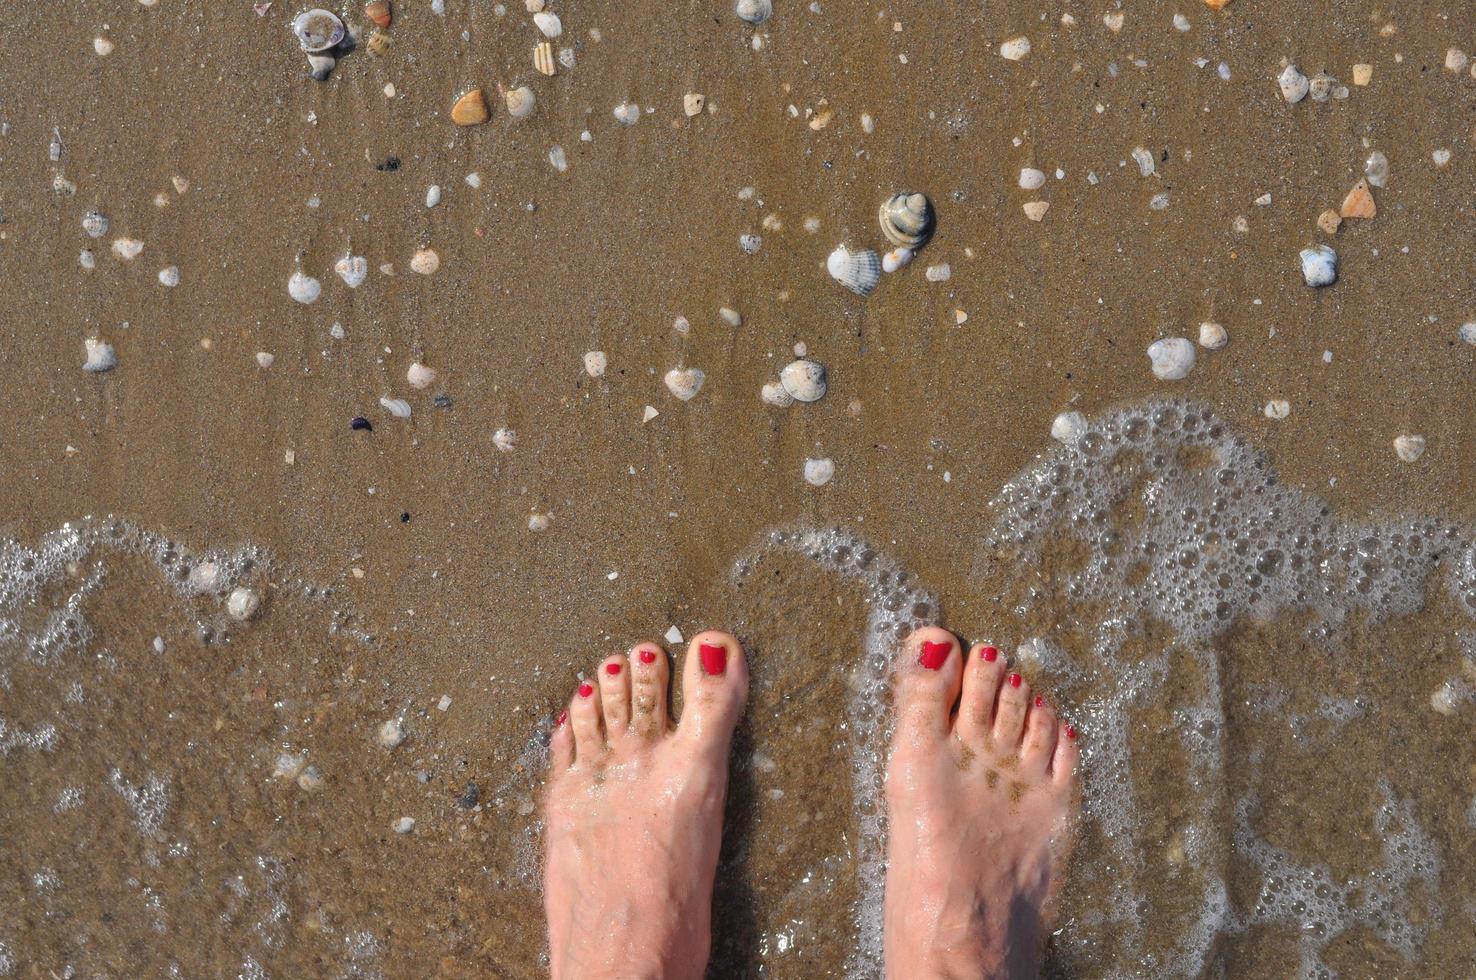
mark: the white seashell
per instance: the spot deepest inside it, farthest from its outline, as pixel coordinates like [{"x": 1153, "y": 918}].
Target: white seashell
[
  {"x": 896, "y": 259},
  {"x": 1277, "y": 408},
  {"x": 773, "y": 393},
  {"x": 169, "y": 276},
  {"x": 425, "y": 262},
  {"x": 127, "y": 249},
  {"x": 684, "y": 383},
  {"x": 265, "y": 359},
  {"x": 505, "y": 439},
  {"x": 474, "y": 180},
  {"x": 1212, "y": 336},
  {"x": 539, "y": 522},
  {"x": 1172, "y": 358},
  {"x": 1294, "y": 85},
  {"x": 398, "y": 407},
  {"x": 391, "y": 734},
  {"x": 318, "y": 29},
  {"x": 595, "y": 363},
  {"x": 242, "y": 604},
  {"x": 1440, "y": 157},
  {"x": 404, "y": 825},
  {"x": 1467, "y": 332},
  {"x": 103, "y": 46},
  {"x": 549, "y": 23},
  {"x": 1031, "y": 179},
  {"x": 100, "y": 356},
  {"x": 731, "y": 316},
  {"x": 907, "y": 219},
  {"x": 1144, "y": 159},
  {"x": 648, "y": 414},
  {"x": 754, "y": 11},
  {"x": 419, "y": 376},
  {"x": 352, "y": 269},
  {"x": 1015, "y": 49},
  {"x": 939, "y": 273},
  {"x": 1321, "y": 87},
  {"x": 1068, "y": 427},
  {"x": 627, "y": 112},
  {"x": 857, "y": 271},
  {"x": 433, "y": 195},
  {"x": 520, "y": 102},
  {"x": 750, "y": 243},
  {"x": 818, "y": 472},
  {"x": 1409, "y": 448},
  {"x": 95, "y": 223},
  {"x": 86, "y": 259},
  {"x": 557, "y": 159},
  {"x": 1376, "y": 169},
  {"x": 304, "y": 289},
  {"x": 803, "y": 380},
  {"x": 1319, "y": 265}
]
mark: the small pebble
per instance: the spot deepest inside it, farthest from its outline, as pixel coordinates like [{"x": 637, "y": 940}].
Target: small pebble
[
  {"x": 1319, "y": 265},
  {"x": 939, "y": 273},
  {"x": 169, "y": 276},
  {"x": 433, "y": 195},
  {"x": 1409, "y": 447},
  {"x": 242, "y": 604},
  {"x": 404, "y": 825},
  {"x": 1015, "y": 49},
  {"x": 103, "y": 46},
  {"x": 819, "y": 471},
  {"x": 1329, "y": 221},
  {"x": 1467, "y": 332},
  {"x": 1376, "y": 169},
  {"x": 100, "y": 356},
  {"x": 673, "y": 635},
  {"x": 595, "y": 363},
  {"x": 692, "y": 103},
  {"x": 539, "y": 522},
  {"x": 1277, "y": 408},
  {"x": 1171, "y": 357},
  {"x": 1031, "y": 179},
  {"x": 1068, "y": 427},
  {"x": 628, "y": 113},
  {"x": 1212, "y": 336},
  {"x": 1036, "y": 210},
  {"x": 425, "y": 262},
  {"x": 750, "y": 243},
  {"x": 264, "y": 359},
  {"x": 127, "y": 249},
  {"x": 684, "y": 383},
  {"x": 557, "y": 159},
  {"x": 731, "y": 316},
  {"x": 444, "y": 703},
  {"x": 505, "y": 439},
  {"x": 359, "y": 423},
  {"x": 391, "y": 735}
]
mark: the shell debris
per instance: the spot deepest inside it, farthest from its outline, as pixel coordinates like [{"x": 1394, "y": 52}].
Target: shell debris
[
  {"x": 99, "y": 356},
  {"x": 425, "y": 262},
  {"x": 303, "y": 288},
  {"x": 543, "y": 59},
  {"x": 685, "y": 383},
  {"x": 595, "y": 363},
  {"x": 692, "y": 103},
  {"x": 505, "y": 439},
  {"x": 379, "y": 12},
  {"x": 548, "y": 22},
  {"x": 627, "y": 113},
  {"x": 398, "y": 407},
  {"x": 907, "y": 219},
  {"x": 819, "y": 472},
  {"x": 804, "y": 380},
  {"x": 1212, "y": 336},
  {"x": 1359, "y": 202},
  {"x": 1172, "y": 358},
  {"x": 1036, "y": 210},
  {"x": 352, "y": 269},
  {"x": 1277, "y": 409},
  {"x": 127, "y": 249},
  {"x": 754, "y": 12},
  {"x": 1015, "y": 49},
  {"x": 1409, "y": 447},
  {"x": 1068, "y": 427},
  {"x": 1293, "y": 84},
  {"x": 520, "y": 102},
  {"x": 471, "y": 109},
  {"x": 419, "y": 377},
  {"x": 318, "y": 30},
  {"x": 1319, "y": 265}
]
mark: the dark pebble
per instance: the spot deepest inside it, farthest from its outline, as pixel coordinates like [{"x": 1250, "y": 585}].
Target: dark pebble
[
  {"x": 389, "y": 166},
  {"x": 359, "y": 422},
  {"x": 469, "y": 796},
  {"x": 442, "y": 401}
]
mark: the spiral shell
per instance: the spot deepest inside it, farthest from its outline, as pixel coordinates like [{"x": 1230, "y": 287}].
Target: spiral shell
[
  {"x": 907, "y": 219},
  {"x": 318, "y": 29},
  {"x": 857, "y": 271}
]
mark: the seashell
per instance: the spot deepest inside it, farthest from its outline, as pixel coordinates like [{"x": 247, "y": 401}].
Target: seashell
[
  {"x": 95, "y": 223},
  {"x": 750, "y": 243},
  {"x": 1359, "y": 203},
  {"x": 1212, "y": 336},
  {"x": 539, "y": 522},
  {"x": 103, "y": 46},
  {"x": 425, "y": 262},
  {"x": 320, "y": 66},
  {"x": 938, "y": 273},
  {"x": 558, "y": 159},
  {"x": 398, "y": 407},
  {"x": 353, "y": 270},
  {"x": 505, "y": 439},
  {"x": 819, "y": 472},
  {"x": 86, "y": 259},
  {"x": 774, "y": 394},
  {"x": 1031, "y": 179},
  {"x": 419, "y": 376},
  {"x": 1113, "y": 20},
  {"x": 242, "y": 604},
  {"x": 548, "y": 22},
  {"x": 318, "y": 29},
  {"x": 595, "y": 363},
  {"x": 803, "y": 380},
  {"x": 1217, "y": 4},
  {"x": 754, "y": 11},
  {"x": 520, "y": 102},
  {"x": 1144, "y": 159},
  {"x": 127, "y": 249},
  {"x": 304, "y": 289},
  {"x": 169, "y": 276},
  {"x": 379, "y": 12},
  {"x": 471, "y": 109},
  {"x": 896, "y": 259},
  {"x": 1172, "y": 358},
  {"x": 731, "y": 316},
  {"x": 907, "y": 219},
  {"x": 684, "y": 383},
  {"x": 1293, "y": 84},
  {"x": 1277, "y": 408},
  {"x": 100, "y": 356},
  {"x": 391, "y": 734},
  {"x": 1015, "y": 49},
  {"x": 1319, "y": 265},
  {"x": 1329, "y": 221},
  {"x": 1362, "y": 74},
  {"x": 543, "y": 59},
  {"x": 433, "y": 195},
  {"x": 1409, "y": 448},
  {"x": 648, "y": 413},
  {"x": 265, "y": 359},
  {"x": 1321, "y": 87},
  {"x": 693, "y": 102},
  {"x": 378, "y": 44},
  {"x": 1036, "y": 210},
  {"x": 628, "y": 113},
  {"x": 1068, "y": 427},
  {"x": 857, "y": 271}
]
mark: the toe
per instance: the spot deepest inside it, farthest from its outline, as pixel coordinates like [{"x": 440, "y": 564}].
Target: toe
[
  {"x": 983, "y": 672},
  {"x": 1066, "y": 761},
  {"x": 615, "y": 695},
  {"x": 927, "y": 682},
  {"x": 714, "y": 688},
  {"x": 586, "y": 721},
  {"x": 1040, "y": 739},
  {"x": 560, "y": 745},
  {"x": 1009, "y": 714},
  {"x": 648, "y": 680}
]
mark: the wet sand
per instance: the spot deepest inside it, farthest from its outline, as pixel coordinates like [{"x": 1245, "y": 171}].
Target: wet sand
[{"x": 926, "y": 418}]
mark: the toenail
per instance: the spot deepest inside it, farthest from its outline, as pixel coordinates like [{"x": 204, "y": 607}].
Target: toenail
[
  {"x": 933, "y": 655},
  {"x": 648, "y": 656},
  {"x": 714, "y": 658},
  {"x": 613, "y": 668},
  {"x": 990, "y": 654},
  {"x": 563, "y": 717},
  {"x": 1070, "y": 731},
  {"x": 1039, "y": 701},
  {"x": 585, "y": 690},
  {"x": 1015, "y": 680}
]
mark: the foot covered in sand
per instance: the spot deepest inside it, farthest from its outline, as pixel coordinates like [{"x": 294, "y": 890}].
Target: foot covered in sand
[{"x": 634, "y": 813}]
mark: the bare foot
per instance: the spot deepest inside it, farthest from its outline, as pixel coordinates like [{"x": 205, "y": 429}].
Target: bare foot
[
  {"x": 634, "y": 813},
  {"x": 979, "y": 810}
]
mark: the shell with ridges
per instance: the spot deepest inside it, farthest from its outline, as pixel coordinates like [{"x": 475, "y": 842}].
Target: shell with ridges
[
  {"x": 471, "y": 109},
  {"x": 907, "y": 219},
  {"x": 520, "y": 102},
  {"x": 857, "y": 271},
  {"x": 379, "y": 12}
]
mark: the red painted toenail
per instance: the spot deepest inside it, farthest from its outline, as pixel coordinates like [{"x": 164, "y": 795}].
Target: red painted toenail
[
  {"x": 1039, "y": 701},
  {"x": 1015, "y": 680},
  {"x": 933, "y": 655},
  {"x": 648, "y": 656},
  {"x": 585, "y": 690},
  {"x": 613, "y": 668},
  {"x": 1070, "y": 731},
  {"x": 990, "y": 654},
  {"x": 714, "y": 658},
  {"x": 563, "y": 717}
]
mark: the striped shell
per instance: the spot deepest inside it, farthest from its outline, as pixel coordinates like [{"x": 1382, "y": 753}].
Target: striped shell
[{"x": 857, "y": 271}]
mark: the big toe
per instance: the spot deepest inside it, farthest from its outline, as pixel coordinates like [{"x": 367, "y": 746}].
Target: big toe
[
  {"x": 927, "y": 683},
  {"x": 714, "y": 689}
]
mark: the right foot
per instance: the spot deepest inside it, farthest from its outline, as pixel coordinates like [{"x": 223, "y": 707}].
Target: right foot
[{"x": 979, "y": 810}]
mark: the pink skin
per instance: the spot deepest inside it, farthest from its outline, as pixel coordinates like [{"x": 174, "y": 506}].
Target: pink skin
[
  {"x": 981, "y": 794},
  {"x": 634, "y": 810}
]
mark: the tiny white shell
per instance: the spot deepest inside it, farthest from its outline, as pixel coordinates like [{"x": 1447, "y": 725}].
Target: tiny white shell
[
  {"x": 1467, "y": 332},
  {"x": 938, "y": 273},
  {"x": 803, "y": 380},
  {"x": 303, "y": 288},
  {"x": 684, "y": 383},
  {"x": 1031, "y": 179},
  {"x": 773, "y": 393},
  {"x": 433, "y": 195},
  {"x": 127, "y": 249},
  {"x": 1212, "y": 336},
  {"x": 1068, "y": 427},
  {"x": 505, "y": 439},
  {"x": 1015, "y": 49},
  {"x": 391, "y": 734},
  {"x": 419, "y": 376},
  {"x": 100, "y": 356},
  {"x": 398, "y": 407},
  {"x": 1293, "y": 84},
  {"x": 1409, "y": 447},
  {"x": 352, "y": 269},
  {"x": 548, "y": 22},
  {"x": 86, "y": 259},
  {"x": 404, "y": 825},
  {"x": 425, "y": 262},
  {"x": 539, "y": 522},
  {"x": 1172, "y": 358},
  {"x": 169, "y": 276},
  {"x": 754, "y": 11},
  {"x": 896, "y": 259},
  {"x": 95, "y": 223},
  {"x": 731, "y": 316},
  {"x": 818, "y": 472},
  {"x": 1277, "y": 408},
  {"x": 265, "y": 359},
  {"x": 1319, "y": 265},
  {"x": 103, "y": 46},
  {"x": 595, "y": 363},
  {"x": 857, "y": 271},
  {"x": 242, "y": 604},
  {"x": 520, "y": 102},
  {"x": 627, "y": 112}
]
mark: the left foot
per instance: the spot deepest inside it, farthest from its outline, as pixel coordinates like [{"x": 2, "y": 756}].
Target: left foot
[{"x": 634, "y": 813}]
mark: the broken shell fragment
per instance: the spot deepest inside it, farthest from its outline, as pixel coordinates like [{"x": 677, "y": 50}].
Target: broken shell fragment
[
  {"x": 857, "y": 271},
  {"x": 379, "y": 12},
  {"x": 425, "y": 262},
  {"x": 896, "y": 259},
  {"x": 1293, "y": 84},
  {"x": 378, "y": 44},
  {"x": 520, "y": 102},
  {"x": 1321, "y": 87},
  {"x": 1359, "y": 203},
  {"x": 803, "y": 380},
  {"x": 907, "y": 219},
  {"x": 320, "y": 65},
  {"x": 693, "y": 102},
  {"x": 95, "y": 223},
  {"x": 1015, "y": 49},
  {"x": 627, "y": 113},
  {"x": 1329, "y": 221},
  {"x": 1319, "y": 265},
  {"x": 1172, "y": 358},
  {"x": 419, "y": 376},
  {"x": 754, "y": 11},
  {"x": 352, "y": 269},
  {"x": 318, "y": 29},
  {"x": 398, "y": 407},
  {"x": 303, "y": 288},
  {"x": 127, "y": 249},
  {"x": 548, "y": 22},
  {"x": 543, "y": 59},
  {"x": 684, "y": 383},
  {"x": 100, "y": 356},
  {"x": 242, "y": 604},
  {"x": 1036, "y": 210},
  {"x": 774, "y": 394},
  {"x": 471, "y": 109},
  {"x": 1409, "y": 447}
]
